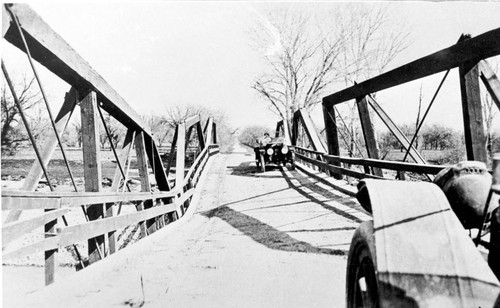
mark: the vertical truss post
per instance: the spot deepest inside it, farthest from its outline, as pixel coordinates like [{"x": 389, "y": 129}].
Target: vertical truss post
[
  {"x": 332, "y": 137},
  {"x": 295, "y": 129},
  {"x": 199, "y": 132},
  {"x": 180, "y": 163},
  {"x": 475, "y": 138},
  {"x": 50, "y": 255},
  {"x": 209, "y": 132},
  {"x": 214, "y": 133},
  {"x": 142, "y": 165},
  {"x": 156, "y": 163},
  {"x": 368, "y": 132},
  {"x": 279, "y": 127},
  {"x": 188, "y": 137},
  {"x": 172, "y": 151},
  {"x": 92, "y": 167}
]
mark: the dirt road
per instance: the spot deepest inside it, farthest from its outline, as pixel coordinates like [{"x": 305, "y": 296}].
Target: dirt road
[{"x": 273, "y": 239}]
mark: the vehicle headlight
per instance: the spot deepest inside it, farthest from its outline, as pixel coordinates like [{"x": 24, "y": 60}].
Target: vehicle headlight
[
  {"x": 270, "y": 151},
  {"x": 284, "y": 149}
]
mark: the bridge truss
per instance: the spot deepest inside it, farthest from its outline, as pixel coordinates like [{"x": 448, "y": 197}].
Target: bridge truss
[{"x": 159, "y": 201}]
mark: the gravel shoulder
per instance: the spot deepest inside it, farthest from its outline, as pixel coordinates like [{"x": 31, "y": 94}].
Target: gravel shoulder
[{"x": 273, "y": 239}]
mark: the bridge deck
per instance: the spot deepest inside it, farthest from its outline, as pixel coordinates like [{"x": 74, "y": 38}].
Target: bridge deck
[{"x": 253, "y": 240}]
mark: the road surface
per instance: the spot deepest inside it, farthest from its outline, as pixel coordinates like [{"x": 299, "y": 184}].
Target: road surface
[{"x": 250, "y": 239}]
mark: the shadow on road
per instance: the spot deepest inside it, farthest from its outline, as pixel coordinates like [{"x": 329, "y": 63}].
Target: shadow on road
[
  {"x": 324, "y": 192},
  {"x": 249, "y": 169},
  {"x": 265, "y": 234}
]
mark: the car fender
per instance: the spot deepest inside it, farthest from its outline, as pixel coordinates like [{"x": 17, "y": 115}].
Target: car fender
[{"x": 423, "y": 254}]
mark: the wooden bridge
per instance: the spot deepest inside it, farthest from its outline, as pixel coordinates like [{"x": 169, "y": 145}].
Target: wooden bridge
[{"x": 221, "y": 233}]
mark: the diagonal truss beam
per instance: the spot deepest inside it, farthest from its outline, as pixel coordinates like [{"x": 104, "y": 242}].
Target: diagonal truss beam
[
  {"x": 50, "y": 50},
  {"x": 311, "y": 131},
  {"x": 490, "y": 80},
  {"x": 395, "y": 130}
]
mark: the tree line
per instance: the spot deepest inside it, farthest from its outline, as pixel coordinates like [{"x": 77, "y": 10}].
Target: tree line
[{"x": 162, "y": 125}]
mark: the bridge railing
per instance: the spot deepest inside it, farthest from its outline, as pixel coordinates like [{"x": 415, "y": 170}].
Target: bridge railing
[
  {"x": 156, "y": 204},
  {"x": 340, "y": 165},
  {"x": 468, "y": 54}
]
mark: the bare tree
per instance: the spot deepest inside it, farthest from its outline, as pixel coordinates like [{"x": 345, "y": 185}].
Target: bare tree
[
  {"x": 373, "y": 44},
  {"x": 13, "y": 131},
  {"x": 159, "y": 127},
  {"x": 417, "y": 120},
  {"x": 116, "y": 131},
  {"x": 490, "y": 112},
  {"x": 179, "y": 113},
  {"x": 301, "y": 67},
  {"x": 308, "y": 58}
]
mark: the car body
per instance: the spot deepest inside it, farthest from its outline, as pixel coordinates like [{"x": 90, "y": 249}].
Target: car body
[{"x": 273, "y": 151}]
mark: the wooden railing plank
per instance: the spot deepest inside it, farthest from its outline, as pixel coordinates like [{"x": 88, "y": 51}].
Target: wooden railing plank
[
  {"x": 392, "y": 165},
  {"x": 35, "y": 200},
  {"x": 14, "y": 230},
  {"x": 72, "y": 234},
  {"x": 336, "y": 169}
]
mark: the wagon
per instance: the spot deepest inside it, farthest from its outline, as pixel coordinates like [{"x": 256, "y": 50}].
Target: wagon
[
  {"x": 275, "y": 152},
  {"x": 429, "y": 244}
]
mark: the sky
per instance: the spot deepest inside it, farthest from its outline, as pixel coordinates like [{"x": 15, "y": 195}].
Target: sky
[{"x": 160, "y": 54}]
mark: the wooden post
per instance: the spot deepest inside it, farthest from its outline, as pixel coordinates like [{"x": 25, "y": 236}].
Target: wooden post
[
  {"x": 475, "y": 138},
  {"x": 214, "y": 132},
  {"x": 279, "y": 127},
  {"x": 36, "y": 172},
  {"x": 368, "y": 132},
  {"x": 172, "y": 151},
  {"x": 188, "y": 137},
  {"x": 295, "y": 129},
  {"x": 332, "y": 137},
  {"x": 179, "y": 166},
  {"x": 208, "y": 132},
  {"x": 142, "y": 165},
  {"x": 199, "y": 131},
  {"x": 50, "y": 255},
  {"x": 92, "y": 167},
  {"x": 155, "y": 160}
]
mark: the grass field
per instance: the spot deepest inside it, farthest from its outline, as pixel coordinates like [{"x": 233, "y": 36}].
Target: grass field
[{"x": 16, "y": 167}]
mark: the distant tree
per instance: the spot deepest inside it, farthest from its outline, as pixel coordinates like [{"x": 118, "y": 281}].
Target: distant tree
[
  {"x": 490, "y": 111},
  {"x": 440, "y": 137},
  {"x": 249, "y": 134},
  {"x": 387, "y": 142},
  {"x": 116, "y": 131},
  {"x": 179, "y": 113},
  {"x": 77, "y": 126},
  {"x": 307, "y": 57},
  {"x": 159, "y": 127},
  {"x": 13, "y": 132}
]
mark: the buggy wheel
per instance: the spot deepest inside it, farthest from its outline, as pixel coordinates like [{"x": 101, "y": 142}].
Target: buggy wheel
[{"x": 361, "y": 283}]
